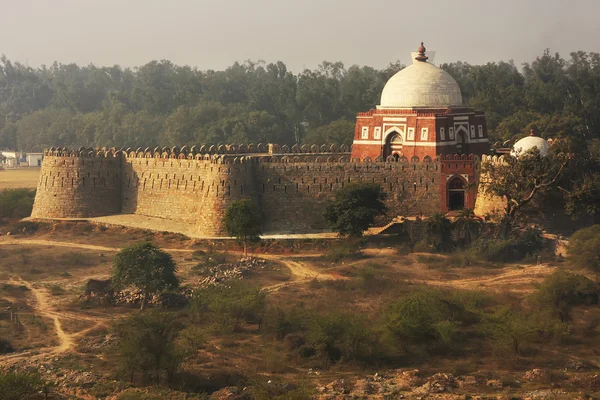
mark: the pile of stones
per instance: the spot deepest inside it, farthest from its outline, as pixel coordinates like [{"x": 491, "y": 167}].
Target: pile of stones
[{"x": 219, "y": 274}]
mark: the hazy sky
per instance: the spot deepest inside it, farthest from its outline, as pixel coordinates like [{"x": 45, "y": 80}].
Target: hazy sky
[{"x": 214, "y": 34}]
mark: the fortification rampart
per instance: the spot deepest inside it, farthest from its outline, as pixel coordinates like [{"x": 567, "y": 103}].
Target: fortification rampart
[
  {"x": 74, "y": 185},
  {"x": 194, "y": 186},
  {"x": 488, "y": 205}
]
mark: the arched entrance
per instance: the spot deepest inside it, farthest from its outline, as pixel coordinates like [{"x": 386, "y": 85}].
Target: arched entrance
[
  {"x": 456, "y": 194},
  {"x": 393, "y": 145}
]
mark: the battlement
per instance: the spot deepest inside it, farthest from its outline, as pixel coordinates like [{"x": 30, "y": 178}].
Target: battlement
[
  {"x": 242, "y": 154},
  {"x": 291, "y": 184},
  {"x": 492, "y": 159}
]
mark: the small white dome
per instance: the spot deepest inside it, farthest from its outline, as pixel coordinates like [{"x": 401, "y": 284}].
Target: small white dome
[
  {"x": 421, "y": 85},
  {"x": 528, "y": 143}
]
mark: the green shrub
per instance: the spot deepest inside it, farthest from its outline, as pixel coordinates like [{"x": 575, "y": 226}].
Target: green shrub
[
  {"x": 347, "y": 249},
  {"x": 229, "y": 307},
  {"x": 56, "y": 290},
  {"x": 415, "y": 316},
  {"x": 561, "y": 291},
  {"x": 337, "y": 336},
  {"x": 17, "y": 385},
  {"x": 584, "y": 248},
  {"x": 529, "y": 242},
  {"x": 430, "y": 319},
  {"x": 511, "y": 330},
  {"x": 281, "y": 322},
  {"x": 148, "y": 345},
  {"x": 16, "y": 203}
]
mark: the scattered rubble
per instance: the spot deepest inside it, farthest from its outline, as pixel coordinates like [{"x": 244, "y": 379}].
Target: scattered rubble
[
  {"x": 212, "y": 276},
  {"x": 218, "y": 274}
]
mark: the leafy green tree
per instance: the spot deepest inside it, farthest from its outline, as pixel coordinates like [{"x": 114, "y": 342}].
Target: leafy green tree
[
  {"x": 439, "y": 232},
  {"x": 148, "y": 344},
  {"x": 337, "y": 132},
  {"x": 18, "y": 385},
  {"x": 468, "y": 225},
  {"x": 584, "y": 248},
  {"x": 16, "y": 203},
  {"x": 243, "y": 221},
  {"x": 145, "y": 267},
  {"x": 355, "y": 208},
  {"x": 519, "y": 179}
]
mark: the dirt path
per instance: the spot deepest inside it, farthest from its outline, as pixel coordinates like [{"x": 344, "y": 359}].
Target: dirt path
[
  {"x": 300, "y": 271},
  {"x": 41, "y": 242},
  {"x": 518, "y": 279},
  {"x": 42, "y": 307}
]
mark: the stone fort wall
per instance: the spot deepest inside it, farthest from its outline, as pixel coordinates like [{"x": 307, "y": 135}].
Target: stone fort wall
[
  {"x": 290, "y": 185},
  {"x": 78, "y": 186},
  {"x": 489, "y": 206}
]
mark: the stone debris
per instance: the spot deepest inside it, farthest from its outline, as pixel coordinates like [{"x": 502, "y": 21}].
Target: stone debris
[
  {"x": 218, "y": 274},
  {"x": 495, "y": 383},
  {"x": 395, "y": 384},
  {"x": 536, "y": 374},
  {"x": 438, "y": 383},
  {"x": 213, "y": 276}
]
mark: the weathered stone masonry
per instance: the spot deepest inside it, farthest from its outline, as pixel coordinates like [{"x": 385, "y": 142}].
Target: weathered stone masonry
[{"x": 291, "y": 189}]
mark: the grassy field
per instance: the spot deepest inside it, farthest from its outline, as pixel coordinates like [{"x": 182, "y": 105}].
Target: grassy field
[{"x": 19, "y": 178}]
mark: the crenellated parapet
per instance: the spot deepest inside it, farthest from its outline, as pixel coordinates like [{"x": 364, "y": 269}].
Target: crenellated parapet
[{"x": 194, "y": 185}]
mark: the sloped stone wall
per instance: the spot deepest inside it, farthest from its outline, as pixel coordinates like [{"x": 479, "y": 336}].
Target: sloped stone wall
[{"x": 78, "y": 186}]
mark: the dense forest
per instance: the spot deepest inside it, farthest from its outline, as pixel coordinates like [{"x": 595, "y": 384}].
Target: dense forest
[{"x": 165, "y": 104}]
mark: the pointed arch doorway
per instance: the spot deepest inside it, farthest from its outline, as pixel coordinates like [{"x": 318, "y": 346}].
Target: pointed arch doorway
[
  {"x": 393, "y": 145},
  {"x": 456, "y": 194}
]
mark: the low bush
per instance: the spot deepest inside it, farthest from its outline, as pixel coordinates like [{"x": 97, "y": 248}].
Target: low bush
[
  {"x": 56, "y": 290},
  {"x": 229, "y": 307},
  {"x": 421, "y": 317},
  {"x": 584, "y": 248},
  {"x": 16, "y": 203},
  {"x": 347, "y": 249},
  {"x": 528, "y": 243},
  {"x": 17, "y": 385},
  {"x": 336, "y": 336},
  {"x": 561, "y": 291}
]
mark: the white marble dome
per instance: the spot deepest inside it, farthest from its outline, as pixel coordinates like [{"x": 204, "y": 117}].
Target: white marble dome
[
  {"x": 421, "y": 85},
  {"x": 528, "y": 143}
]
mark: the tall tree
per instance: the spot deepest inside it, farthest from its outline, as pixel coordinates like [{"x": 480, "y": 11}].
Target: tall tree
[
  {"x": 145, "y": 267},
  {"x": 354, "y": 208},
  {"x": 243, "y": 221},
  {"x": 519, "y": 179}
]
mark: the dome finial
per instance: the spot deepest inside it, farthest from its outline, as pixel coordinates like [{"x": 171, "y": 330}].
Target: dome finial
[{"x": 421, "y": 56}]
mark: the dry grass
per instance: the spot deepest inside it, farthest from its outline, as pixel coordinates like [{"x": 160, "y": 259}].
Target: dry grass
[
  {"x": 370, "y": 282},
  {"x": 19, "y": 178}
]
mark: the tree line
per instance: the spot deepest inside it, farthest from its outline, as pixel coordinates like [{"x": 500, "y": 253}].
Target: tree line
[{"x": 161, "y": 103}]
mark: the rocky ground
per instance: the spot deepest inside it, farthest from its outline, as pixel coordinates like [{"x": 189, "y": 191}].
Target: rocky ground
[{"x": 411, "y": 384}]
